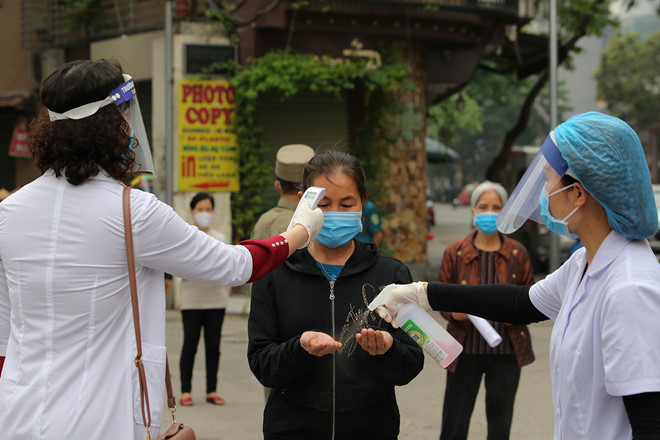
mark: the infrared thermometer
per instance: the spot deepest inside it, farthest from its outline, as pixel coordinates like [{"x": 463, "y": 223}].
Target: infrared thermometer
[{"x": 312, "y": 197}]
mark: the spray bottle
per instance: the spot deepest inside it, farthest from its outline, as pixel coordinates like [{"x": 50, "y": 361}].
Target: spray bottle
[{"x": 422, "y": 328}]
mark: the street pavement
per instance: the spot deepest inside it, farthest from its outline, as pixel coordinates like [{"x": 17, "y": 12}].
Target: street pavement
[{"x": 420, "y": 402}]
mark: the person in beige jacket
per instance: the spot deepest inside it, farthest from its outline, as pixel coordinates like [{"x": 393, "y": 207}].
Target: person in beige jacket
[{"x": 202, "y": 306}]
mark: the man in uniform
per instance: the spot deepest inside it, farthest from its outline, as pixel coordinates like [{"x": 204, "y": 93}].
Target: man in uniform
[
  {"x": 372, "y": 230},
  {"x": 289, "y": 164}
]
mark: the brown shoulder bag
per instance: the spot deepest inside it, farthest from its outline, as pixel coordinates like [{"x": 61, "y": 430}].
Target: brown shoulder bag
[{"x": 177, "y": 431}]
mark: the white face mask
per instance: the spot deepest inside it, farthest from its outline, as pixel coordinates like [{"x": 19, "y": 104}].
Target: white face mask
[{"x": 203, "y": 219}]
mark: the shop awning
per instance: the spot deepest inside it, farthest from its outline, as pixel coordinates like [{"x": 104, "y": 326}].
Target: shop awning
[{"x": 437, "y": 152}]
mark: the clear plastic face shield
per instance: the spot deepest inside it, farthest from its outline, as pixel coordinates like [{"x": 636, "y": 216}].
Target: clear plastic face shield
[
  {"x": 546, "y": 170},
  {"x": 125, "y": 99}
]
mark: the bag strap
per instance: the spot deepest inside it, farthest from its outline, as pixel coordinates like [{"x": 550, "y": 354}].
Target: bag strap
[{"x": 132, "y": 279}]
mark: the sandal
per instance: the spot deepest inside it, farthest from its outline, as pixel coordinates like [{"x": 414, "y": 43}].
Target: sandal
[
  {"x": 186, "y": 401},
  {"x": 216, "y": 400}
]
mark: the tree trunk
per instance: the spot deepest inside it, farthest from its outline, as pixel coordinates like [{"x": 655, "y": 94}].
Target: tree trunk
[{"x": 404, "y": 210}]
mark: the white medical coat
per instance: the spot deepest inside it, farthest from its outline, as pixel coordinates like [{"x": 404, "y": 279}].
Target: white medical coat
[
  {"x": 66, "y": 325},
  {"x": 605, "y": 342}
]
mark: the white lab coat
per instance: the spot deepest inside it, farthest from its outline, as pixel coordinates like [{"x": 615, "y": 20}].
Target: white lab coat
[
  {"x": 605, "y": 342},
  {"x": 201, "y": 296},
  {"x": 66, "y": 325}
]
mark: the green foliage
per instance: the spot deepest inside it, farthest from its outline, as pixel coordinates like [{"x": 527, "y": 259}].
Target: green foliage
[
  {"x": 574, "y": 18},
  {"x": 491, "y": 105},
  {"x": 227, "y": 20},
  {"x": 499, "y": 98},
  {"x": 447, "y": 120},
  {"x": 289, "y": 73},
  {"x": 80, "y": 14},
  {"x": 628, "y": 79},
  {"x": 571, "y": 14}
]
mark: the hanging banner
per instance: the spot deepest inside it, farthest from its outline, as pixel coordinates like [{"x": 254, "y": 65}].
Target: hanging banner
[
  {"x": 19, "y": 144},
  {"x": 208, "y": 153}
]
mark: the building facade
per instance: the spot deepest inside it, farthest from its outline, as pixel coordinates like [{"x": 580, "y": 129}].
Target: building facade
[{"x": 440, "y": 42}]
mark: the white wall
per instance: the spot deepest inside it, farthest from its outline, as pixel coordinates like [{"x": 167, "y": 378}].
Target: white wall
[{"x": 143, "y": 57}]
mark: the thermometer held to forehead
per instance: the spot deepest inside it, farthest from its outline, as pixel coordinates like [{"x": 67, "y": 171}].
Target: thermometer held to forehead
[{"x": 313, "y": 195}]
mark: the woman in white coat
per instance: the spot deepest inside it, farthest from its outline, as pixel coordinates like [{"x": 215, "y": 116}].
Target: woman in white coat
[
  {"x": 66, "y": 326},
  {"x": 589, "y": 180}
]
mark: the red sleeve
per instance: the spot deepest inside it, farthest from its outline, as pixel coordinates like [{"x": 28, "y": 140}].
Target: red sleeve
[
  {"x": 267, "y": 255},
  {"x": 2, "y": 362}
]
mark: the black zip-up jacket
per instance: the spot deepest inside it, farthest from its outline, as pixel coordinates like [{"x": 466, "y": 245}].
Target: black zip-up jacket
[{"x": 296, "y": 298}]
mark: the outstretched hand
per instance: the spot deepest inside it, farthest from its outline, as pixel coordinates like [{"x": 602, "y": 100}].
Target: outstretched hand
[
  {"x": 318, "y": 343},
  {"x": 373, "y": 341}
]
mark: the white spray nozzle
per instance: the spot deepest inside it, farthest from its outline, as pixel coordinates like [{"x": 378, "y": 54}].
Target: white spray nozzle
[{"x": 379, "y": 302}]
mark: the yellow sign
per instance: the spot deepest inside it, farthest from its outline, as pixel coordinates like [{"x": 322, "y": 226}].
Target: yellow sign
[{"x": 208, "y": 153}]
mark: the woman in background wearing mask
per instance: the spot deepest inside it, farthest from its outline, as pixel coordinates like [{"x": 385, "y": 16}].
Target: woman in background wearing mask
[
  {"x": 485, "y": 256},
  {"x": 202, "y": 305},
  {"x": 331, "y": 363}
]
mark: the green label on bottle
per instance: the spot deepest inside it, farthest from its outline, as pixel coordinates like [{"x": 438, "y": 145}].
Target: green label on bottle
[
  {"x": 430, "y": 347},
  {"x": 415, "y": 332}
]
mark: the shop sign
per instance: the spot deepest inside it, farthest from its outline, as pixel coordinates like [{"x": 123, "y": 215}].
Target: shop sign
[
  {"x": 208, "y": 152},
  {"x": 19, "y": 144}
]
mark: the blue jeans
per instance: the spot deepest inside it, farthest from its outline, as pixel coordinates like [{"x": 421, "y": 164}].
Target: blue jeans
[{"x": 502, "y": 375}]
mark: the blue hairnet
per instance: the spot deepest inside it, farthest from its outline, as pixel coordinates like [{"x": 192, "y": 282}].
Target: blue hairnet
[{"x": 606, "y": 157}]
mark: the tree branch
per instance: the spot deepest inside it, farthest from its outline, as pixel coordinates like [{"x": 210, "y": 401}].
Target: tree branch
[{"x": 496, "y": 167}]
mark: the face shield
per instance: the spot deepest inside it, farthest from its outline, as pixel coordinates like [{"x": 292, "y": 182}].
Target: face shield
[
  {"x": 546, "y": 170},
  {"x": 125, "y": 99}
]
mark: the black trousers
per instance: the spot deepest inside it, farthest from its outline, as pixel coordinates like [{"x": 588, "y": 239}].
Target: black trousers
[
  {"x": 193, "y": 321},
  {"x": 502, "y": 375}
]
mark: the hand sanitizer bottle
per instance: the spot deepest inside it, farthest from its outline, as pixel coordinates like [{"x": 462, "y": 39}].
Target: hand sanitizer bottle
[{"x": 428, "y": 333}]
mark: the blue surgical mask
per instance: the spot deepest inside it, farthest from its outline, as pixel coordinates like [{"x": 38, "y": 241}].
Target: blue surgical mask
[
  {"x": 339, "y": 228},
  {"x": 485, "y": 222},
  {"x": 555, "y": 225}
]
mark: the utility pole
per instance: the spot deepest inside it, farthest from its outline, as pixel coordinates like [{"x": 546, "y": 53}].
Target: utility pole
[
  {"x": 169, "y": 117},
  {"x": 554, "y": 238}
]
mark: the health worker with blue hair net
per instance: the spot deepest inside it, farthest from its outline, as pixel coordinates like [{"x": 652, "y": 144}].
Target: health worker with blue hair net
[{"x": 589, "y": 180}]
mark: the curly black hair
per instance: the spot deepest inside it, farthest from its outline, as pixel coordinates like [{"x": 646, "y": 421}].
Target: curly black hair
[{"x": 80, "y": 148}]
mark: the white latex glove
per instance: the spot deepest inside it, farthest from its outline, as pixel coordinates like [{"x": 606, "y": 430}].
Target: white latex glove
[
  {"x": 310, "y": 219},
  {"x": 400, "y": 295}
]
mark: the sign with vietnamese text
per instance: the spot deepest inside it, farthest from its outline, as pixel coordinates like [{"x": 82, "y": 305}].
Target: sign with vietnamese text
[{"x": 208, "y": 153}]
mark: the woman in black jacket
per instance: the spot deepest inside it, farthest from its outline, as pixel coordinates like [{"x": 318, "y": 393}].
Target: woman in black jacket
[{"x": 331, "y": 363}]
